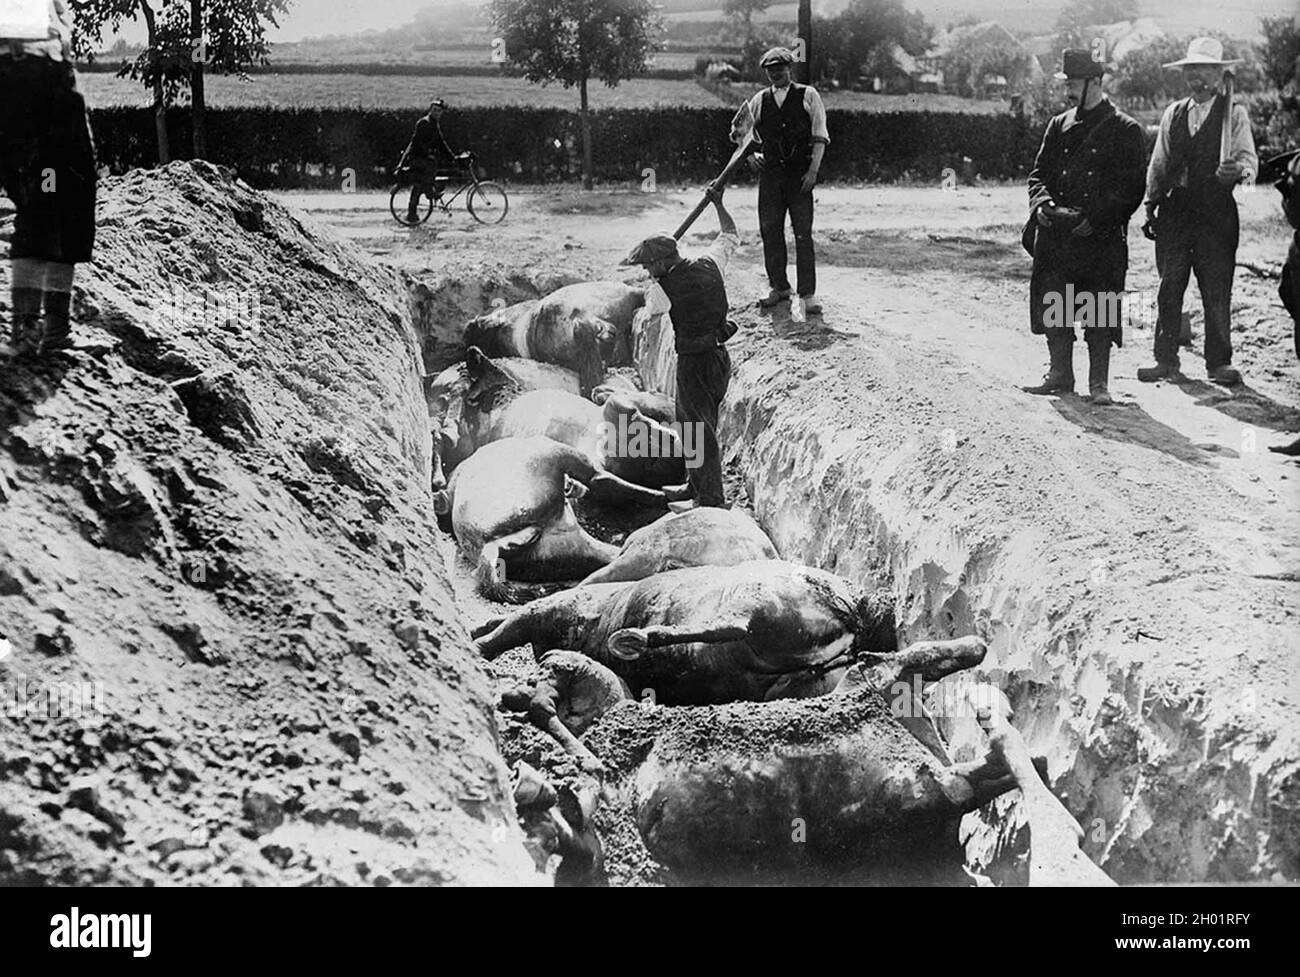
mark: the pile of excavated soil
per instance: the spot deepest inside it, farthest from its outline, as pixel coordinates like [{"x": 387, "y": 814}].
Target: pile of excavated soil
[{"x": 235, "y": 651}]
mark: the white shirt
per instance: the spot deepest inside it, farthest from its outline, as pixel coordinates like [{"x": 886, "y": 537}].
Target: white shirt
[
  {"x": 721, "y": 250},
  {"x": 748, "y": 114},
  {"x": 59, "y": 45},
  {"x": 1242, "y": 141}
]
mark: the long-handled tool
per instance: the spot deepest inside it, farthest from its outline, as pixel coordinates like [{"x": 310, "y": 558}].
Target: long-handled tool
[
  {"x": 743, "y": 139},
  {"x": 1225, "y": 134}
]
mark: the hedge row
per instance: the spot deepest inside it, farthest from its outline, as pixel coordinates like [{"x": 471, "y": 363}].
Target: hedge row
[{"x": 314, "y": 147}]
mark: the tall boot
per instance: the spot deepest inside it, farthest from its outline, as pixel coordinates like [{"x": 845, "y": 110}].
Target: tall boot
[
  {"x": 25, "y": 333},
  {"x": 1099, "y": 371},
  {"x": 1060, "y": 370},
  {"x": 24, "y": 336},
  {"x": 58, "y": 307}
]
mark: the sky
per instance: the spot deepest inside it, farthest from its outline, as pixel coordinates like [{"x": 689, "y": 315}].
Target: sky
[{"x": 308, "y": 18}]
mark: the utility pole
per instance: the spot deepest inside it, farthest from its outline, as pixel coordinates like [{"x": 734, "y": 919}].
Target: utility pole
[{"x": 803, "y": 73}]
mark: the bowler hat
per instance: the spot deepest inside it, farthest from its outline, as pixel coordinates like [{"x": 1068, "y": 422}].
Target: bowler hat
[
  {"x": 1079, "y": 63},
  {"x": 657, "y": 248}
]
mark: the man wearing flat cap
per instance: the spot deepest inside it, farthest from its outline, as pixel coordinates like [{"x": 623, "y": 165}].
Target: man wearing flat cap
[
  {"x": 789, "y": 125},
  {"x": 1191, "y": 212},
  {"x": 694, "y": 294},
  {"x": 1086, "y": 183}
]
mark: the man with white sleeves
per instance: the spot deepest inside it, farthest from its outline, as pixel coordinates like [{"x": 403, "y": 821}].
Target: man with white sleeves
[
  {"x": 789, "y": 125},
  {"x": 1191, "y": 213}
]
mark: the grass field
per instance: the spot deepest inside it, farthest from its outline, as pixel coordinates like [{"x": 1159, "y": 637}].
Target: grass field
[
  {"x": 360, "y": 91},
  {"x": 404, "y": 92}
]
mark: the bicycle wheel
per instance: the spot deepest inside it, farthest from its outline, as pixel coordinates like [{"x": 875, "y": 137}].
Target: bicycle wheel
[
  {"x": 488, "y": 203},
  {"x": 399, "y": 201}
]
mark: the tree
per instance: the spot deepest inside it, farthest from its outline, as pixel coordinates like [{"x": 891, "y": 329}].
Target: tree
[
  {"x": 1081, "y": 14},
  {"x": 1140, "y": 78},
  {"x": 185, "y": 38},
  {"x": 1280, "y": 51},
  {"x": 573, "y": 41},
  {"x": 977, "y": 54},
  {"x": 741, "y": 14},
  {"x": 861, "y": 40}
]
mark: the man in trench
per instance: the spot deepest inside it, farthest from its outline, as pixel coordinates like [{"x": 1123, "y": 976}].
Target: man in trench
[
  {"x": 693, "y": 292},
  {"x": 1087, "y": 181}
]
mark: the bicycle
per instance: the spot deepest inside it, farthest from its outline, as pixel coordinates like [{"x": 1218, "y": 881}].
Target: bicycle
[{"x": 486, "y": 201}]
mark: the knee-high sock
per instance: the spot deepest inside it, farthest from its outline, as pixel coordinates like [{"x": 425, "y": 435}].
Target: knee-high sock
[{"x": 25, "y": 289}]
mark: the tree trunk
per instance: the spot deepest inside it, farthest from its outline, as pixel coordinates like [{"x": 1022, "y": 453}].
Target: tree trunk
[
  {"x": 197, "y": 101},
  {"x": 585, "y": 113},
  {"x": 159, "y": 102},
  {"x": 803, "y": 73}
]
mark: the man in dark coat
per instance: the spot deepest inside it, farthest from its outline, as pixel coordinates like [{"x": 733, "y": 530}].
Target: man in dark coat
[
  {"x": 48, "y": 170},
  {"x": 1086, "y": 183},
  {"x": 693, "y": 292},
  {"x": 1288, "y": 166},
  {"x": 423, "y": 154}
]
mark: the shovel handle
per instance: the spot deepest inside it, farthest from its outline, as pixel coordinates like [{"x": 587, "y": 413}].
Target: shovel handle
[{"x": 722, "y": 179}]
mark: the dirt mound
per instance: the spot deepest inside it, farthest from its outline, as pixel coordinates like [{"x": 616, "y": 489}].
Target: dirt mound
[{"x": 233, "y": 652}]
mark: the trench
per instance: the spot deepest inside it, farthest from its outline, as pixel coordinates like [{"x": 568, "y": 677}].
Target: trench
[{"x": 878, "y": 497}]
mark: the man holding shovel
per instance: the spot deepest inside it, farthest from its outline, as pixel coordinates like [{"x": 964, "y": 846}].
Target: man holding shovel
[
  {"x": 694, "y": 294},
  {"x": 1204, "y": 149}
]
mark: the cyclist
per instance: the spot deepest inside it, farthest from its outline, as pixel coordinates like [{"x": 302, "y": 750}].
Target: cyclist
[{"x": 422, "y": 156}]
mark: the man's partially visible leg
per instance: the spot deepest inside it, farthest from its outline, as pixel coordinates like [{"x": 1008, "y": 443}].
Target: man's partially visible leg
[
  {"x": 413, "y": 206},
  {"x": 702, "y": 380},
  {"x": 771, "y": 226},
  {"x": 58, "y": 307},
  {"x": 801, "y": 220},
  {"x": 28, "y": 277},
  {"x": 1214, "y": 261},
  {"x": 1174, "y": 262}
]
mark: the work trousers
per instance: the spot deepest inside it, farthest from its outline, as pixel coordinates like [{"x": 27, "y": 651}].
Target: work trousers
[
  {"x": 702, "y": 380},
  {"x": 779, "y": 194},
  {"x": 1196, "y": 236}
]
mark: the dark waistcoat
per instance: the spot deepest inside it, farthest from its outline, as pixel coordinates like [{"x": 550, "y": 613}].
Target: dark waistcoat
[
  {"x": 786, "y": 132},
  {"x": 699, "y": 297}
]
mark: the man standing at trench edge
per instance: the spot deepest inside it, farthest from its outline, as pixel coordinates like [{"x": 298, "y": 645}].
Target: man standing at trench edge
[
  {"x": 1191, "y": 213},
  {"x": 789, "y": 125},
  {"x": 694, "y": 294},
  {"x": 1086, "y": 183}
]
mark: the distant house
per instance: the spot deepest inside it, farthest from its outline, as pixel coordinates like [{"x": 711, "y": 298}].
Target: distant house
[{"x": 1120, "y": 39}]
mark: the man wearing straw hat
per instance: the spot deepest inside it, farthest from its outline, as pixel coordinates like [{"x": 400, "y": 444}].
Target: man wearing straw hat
[
  {"x": 1203, "y": 150},
  {"x": 1085, "y": 185}
]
